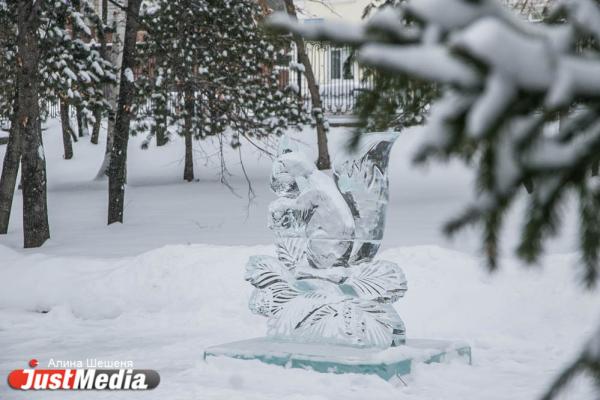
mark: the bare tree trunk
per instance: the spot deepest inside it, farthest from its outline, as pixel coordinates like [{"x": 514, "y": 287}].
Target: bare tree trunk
[
  {"x": 79, "y": 120},
  {"x": 118, "y": 159},
  {"x": 33, "y": 163},
  {"x": 188, "y": 172},
  {"x": 110, "y": 130},
  {"x": 112, "y": 92},
  {"x": 67, "y": 132},
  {"x": 82, "y": 126},
  {"x": 104, "y": 54},
  {"x": 159, "y": 128},
  {"x": 96, "y": 127},
  {"x": 10, "y": 170},
  {"x": 323, "y": 161}
]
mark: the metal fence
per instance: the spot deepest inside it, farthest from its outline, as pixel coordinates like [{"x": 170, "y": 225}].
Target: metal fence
[
  {"x": 52, "y": 109},
  {"x": 339, "y": 77}
]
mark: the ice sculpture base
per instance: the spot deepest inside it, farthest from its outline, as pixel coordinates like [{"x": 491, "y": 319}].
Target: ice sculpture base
[{"x": 395, "y": 361}]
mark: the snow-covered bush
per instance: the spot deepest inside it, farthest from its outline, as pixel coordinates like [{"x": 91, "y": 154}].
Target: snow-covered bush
[{"x": 505, "y": 81}]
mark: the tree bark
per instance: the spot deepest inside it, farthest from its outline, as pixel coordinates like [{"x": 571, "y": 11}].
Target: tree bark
[
  {"x": 110, "y": 130},
  {"x": 159, "y": 128},
  {"x": 82, "y": 127},
  {"x": 104, "y": 54},
  {"x": 112, "y": 92},
  {"x": 67, "y": 132},
  {"x": 96, "y": 127},
  {"x": 188, "y": 172},
  {"x": 118, "y": 158},
  {"x": 10, "y": 170},
  {"x": 33, "y": 163},
  {"x": 323, "y": 161}
]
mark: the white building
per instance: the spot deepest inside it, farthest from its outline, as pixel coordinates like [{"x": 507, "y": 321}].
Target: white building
[
  {"x": 339, "y": 78},
  {"x": 349, "y": 10}
]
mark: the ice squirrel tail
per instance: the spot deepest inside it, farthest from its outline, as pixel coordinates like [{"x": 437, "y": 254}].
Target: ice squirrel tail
[{"x": 361, "y": 177}]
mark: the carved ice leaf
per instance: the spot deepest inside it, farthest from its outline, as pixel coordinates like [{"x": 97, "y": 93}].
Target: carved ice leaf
[
  {"x": 290, "y": 251},
  {"x": 285, "y": 323},
  {"x": 379, "y": 325},
  {"x": 270, "y": 300},
  {"x": 336, "y": 320},
  {"x": 379, "y": 280},
  {"x": 263, "y": 271},
  {"x": 317, "y": 316},
  {"x": 273, "y": 283}
]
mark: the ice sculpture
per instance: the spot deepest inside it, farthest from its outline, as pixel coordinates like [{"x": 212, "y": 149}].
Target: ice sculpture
[
  {"x": 324, "y": 286},
  {"x": 328, "y": 301}
]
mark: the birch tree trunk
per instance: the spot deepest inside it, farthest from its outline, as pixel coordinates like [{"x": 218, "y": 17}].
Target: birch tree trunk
[
  {"x": 67, "y": 131},
  {"x": 82, "y": 127},
  {"x": 104, "y": 54},
  {"x": 118, "y": 154},
  {"x": 116, "y": 57}
]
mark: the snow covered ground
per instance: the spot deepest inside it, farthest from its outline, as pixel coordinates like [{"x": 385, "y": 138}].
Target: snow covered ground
[{"x": 169, "y": 283}]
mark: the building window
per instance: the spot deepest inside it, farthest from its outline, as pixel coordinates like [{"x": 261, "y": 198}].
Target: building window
[
  {"x": 341, "y": 64},
  {"x": 336, "y": 64}
]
